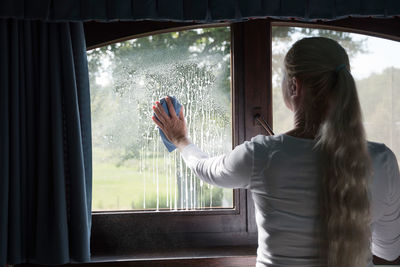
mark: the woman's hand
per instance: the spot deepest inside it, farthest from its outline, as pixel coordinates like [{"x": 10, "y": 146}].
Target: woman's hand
[{"x": 174, "y": 127}]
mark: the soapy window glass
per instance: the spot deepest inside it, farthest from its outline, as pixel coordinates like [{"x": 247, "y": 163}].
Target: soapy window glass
[
  {"x": 375, "y": 65},
  {"x": 132, "y": 170}
]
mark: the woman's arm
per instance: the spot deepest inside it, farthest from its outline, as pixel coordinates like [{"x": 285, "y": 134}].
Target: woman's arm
[
  {"x": 232, "y": 170},
  {"x": 386, "y": 231}
]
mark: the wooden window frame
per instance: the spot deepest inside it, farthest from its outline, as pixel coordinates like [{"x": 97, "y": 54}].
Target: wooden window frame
[{"x": 127, "y": 233}]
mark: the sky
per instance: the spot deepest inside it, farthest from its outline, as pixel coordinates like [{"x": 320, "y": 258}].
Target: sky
[{"x": 383, "y": 53}]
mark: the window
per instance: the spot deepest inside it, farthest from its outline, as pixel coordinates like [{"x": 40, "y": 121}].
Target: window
[
  {"x": 126, "y": 145},
  {"x": 253, "y": 68},
  {"x": 132, "y": 170},
  {"x": 375, "y": 65}
]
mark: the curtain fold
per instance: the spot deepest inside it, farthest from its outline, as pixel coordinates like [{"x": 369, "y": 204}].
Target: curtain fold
[
  {"x": 45, "y": 143},
  {"x": 204, "y": 11}
]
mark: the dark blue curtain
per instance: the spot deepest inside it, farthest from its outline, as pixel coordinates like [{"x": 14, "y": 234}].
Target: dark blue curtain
[
  {"x": 45, "y": 143},
  {"x": 196, "y": 10}
]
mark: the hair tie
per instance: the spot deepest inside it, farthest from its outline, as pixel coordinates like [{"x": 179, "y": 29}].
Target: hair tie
[{"x": 340, "y": 67}]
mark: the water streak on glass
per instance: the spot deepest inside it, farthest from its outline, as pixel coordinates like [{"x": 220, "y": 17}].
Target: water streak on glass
[{"x": 130, "y": 161}]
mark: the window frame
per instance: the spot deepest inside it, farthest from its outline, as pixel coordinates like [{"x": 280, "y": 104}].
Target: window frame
[{"x": 112, "y": 233}]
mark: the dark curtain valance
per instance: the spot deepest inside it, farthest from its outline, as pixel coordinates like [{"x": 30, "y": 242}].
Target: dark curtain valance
[{"x": 196, "y": 10}]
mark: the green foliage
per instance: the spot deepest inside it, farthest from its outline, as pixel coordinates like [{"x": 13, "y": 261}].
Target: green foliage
[
  {"x": 379, "y": 94},
  {"x": 122, "y": 129},
  {"x": 149, "y": 68}
]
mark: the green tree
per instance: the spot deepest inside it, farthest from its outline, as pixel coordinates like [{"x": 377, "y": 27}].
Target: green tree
[{"x": 123, "y": 128}]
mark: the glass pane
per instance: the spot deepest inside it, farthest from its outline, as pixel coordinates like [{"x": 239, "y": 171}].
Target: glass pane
[
  {"x": 375, "y": 65},
  {"x": 131, "y": 167}
]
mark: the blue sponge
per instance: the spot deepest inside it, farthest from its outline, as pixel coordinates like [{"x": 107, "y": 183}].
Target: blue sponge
[{"x": 170, "y": 147}]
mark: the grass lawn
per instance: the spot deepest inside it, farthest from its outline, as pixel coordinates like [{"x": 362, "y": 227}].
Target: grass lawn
[{"x": 122, "y": 188}]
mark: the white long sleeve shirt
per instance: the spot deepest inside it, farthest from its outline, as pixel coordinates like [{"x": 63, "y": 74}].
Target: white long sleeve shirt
[{"x": 282, "y": 174}]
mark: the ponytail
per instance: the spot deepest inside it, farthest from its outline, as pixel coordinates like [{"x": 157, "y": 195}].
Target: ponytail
[
  {"x": 322, "y": 65},
  {"x": 345, "y": 188}
]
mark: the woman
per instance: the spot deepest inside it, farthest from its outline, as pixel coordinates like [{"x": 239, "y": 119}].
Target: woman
[{"x": 321, "y": 191}]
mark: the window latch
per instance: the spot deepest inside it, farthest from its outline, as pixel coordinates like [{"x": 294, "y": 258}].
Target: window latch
[{"x": 260, "y": 119}]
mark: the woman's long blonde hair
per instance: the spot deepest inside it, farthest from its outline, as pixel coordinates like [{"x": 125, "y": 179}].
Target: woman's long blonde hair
[{"x": 330, "y": 107}]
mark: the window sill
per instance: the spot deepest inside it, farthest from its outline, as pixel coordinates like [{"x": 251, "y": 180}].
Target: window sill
[
  {"x": 232, "y": 256},
  {"x": 210, "y": 256}
]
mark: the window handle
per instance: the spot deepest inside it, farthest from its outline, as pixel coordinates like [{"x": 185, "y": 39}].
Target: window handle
[{"x": 263, "y": 123}]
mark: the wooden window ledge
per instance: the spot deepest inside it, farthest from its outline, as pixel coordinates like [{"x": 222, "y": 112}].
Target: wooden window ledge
[
  {"x": 211, "y": 256},
  {"x": 233, "y": 256}
]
